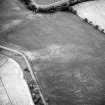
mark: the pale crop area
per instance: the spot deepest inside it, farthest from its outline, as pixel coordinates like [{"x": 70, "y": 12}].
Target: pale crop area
[
  {"x": 94, "y": 11},
  {"x": 13, "y": 82}
]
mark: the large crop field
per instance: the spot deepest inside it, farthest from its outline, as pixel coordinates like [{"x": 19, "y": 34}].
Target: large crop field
[{"x": 71, "y": 65}]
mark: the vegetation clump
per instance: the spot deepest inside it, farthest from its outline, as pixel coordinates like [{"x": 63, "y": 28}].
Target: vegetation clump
[
  {"x": 102, "y": 31},
  {"x": 96, "y": 27},
  {"x": 71, "y": 9},
  {"x": 35, "y": 93},
  {"x": 86, "y": 20}
]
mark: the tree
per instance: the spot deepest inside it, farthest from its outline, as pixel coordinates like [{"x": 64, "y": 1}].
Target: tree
[
  {"x": 102, "y": 31},
  {"x": 74, "y": 12},
  {"x": 86, "y": 20},
  {"x": 96, "y": 27},
  {"x": 90, "y": 22}
]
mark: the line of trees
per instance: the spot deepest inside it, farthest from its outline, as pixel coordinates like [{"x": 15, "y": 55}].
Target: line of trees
[
  {"x": 95, "y": 26},
  {"x": 57, "y": 6}
]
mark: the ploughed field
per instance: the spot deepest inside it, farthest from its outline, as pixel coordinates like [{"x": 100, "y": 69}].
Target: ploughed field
[{"x": 71, "y": 66}]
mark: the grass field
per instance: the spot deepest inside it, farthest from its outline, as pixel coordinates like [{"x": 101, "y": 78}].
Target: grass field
[{"x": 75, "y": 75}]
